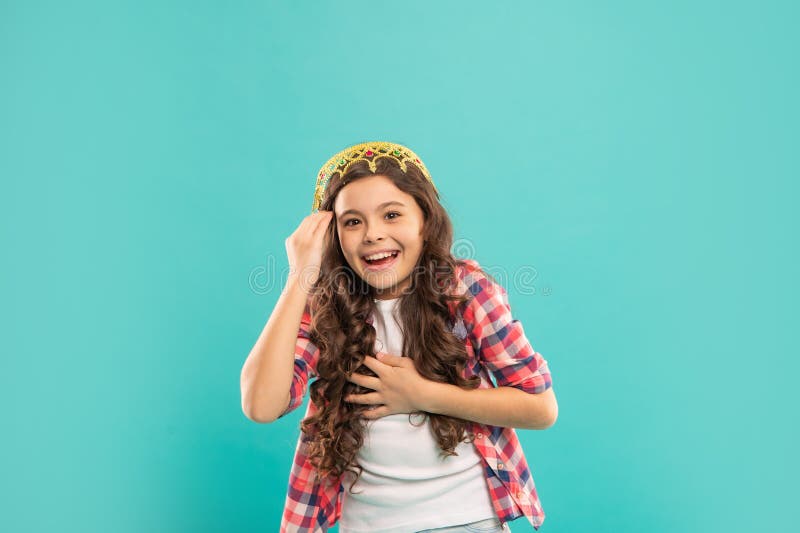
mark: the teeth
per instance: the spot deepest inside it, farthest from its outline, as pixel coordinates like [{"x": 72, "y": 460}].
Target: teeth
[{"x": 379, "y": 256}]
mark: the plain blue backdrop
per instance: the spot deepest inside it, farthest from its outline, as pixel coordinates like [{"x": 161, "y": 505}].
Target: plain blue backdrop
[{"x": 638, "y": 160}]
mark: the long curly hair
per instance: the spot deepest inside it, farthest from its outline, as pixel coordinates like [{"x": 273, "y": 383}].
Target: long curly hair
[{"x": 340, "y": 303}]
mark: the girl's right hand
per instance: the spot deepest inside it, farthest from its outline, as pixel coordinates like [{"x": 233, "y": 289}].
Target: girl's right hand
[{"x": 304, "y": 247}]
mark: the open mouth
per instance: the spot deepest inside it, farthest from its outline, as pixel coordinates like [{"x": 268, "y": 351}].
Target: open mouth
[{"x": 380, "y": 264}]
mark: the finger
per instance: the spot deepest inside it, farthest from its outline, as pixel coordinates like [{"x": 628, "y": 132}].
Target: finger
[
  {"x": 389, "y": 359},
  {"x": 373, "y": 364},
  {"x": 368, "y": 398},
  {"x": 309, "y": 224},
  {"x": 309, "y": 221},
  {"x": 365, "y": 381},
  {"x": 321, "y": 219},
  {"x": 376, "y": 412}
]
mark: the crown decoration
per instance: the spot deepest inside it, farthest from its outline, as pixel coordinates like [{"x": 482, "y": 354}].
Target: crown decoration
[{"x": 368, "y": 152}]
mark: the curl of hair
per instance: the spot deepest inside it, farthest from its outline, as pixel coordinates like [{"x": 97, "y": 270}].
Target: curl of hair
[{"x": 340, "y": 304}]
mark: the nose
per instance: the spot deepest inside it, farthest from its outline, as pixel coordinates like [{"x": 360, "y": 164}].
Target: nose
[
  {"x": 372, "y": 237},
  {"x": 373, "y": 234}
]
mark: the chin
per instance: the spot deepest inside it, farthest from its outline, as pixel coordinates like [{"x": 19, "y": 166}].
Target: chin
[{"x": 384, "y": 280}]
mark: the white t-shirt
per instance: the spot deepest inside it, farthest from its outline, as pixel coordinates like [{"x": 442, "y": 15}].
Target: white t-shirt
[{"x": 406, "y": 485}]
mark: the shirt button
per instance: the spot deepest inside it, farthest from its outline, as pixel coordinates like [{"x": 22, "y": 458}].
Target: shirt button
[
  {"x": 480, "y": 435},
  {"x": 499, "y": 466}
]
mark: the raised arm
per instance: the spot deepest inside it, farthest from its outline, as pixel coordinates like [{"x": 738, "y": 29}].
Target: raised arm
[{"x": 267, "y": 375}]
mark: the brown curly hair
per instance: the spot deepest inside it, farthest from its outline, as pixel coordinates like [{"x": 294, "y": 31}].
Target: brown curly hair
[{"x": 341, "y": 302}]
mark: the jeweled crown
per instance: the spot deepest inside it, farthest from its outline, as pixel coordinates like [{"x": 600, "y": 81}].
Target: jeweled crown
[{"x": 369, "y": 152}]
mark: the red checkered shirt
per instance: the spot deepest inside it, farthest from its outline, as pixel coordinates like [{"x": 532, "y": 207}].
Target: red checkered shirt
[{"x": 496, "y": 345}]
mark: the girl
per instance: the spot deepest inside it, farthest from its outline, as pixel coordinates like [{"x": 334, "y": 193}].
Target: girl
[{"x": 406, "y": 343}]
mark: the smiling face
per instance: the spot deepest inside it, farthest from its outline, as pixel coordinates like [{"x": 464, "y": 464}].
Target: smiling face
[{"x": 373, "y": 215}]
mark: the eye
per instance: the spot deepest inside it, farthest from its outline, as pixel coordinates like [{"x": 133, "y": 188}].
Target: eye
[{"x": 347, "y": 222}]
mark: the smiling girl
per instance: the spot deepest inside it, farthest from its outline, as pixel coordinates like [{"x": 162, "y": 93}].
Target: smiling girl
[{"x": 421, "y": 371}]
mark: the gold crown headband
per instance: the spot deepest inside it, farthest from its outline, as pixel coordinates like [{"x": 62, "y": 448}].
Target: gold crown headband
[{"x": 368, "y": 152}]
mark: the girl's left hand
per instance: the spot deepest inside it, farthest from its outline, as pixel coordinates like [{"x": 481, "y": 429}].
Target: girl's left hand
[{"x": 399, "y": 388}]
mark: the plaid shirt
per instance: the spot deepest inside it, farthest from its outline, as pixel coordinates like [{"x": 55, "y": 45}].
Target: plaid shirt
[{"x": 503, "y": 351}]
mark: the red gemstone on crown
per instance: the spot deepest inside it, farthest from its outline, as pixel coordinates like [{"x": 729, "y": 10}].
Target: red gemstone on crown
[{"x": 369, "y": 153}]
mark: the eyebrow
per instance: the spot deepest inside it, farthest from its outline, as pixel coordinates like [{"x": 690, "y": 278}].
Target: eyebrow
[{"x": 384, "y": 204}]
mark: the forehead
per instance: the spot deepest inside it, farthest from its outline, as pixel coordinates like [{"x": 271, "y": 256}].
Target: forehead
[{"x": 366, "y": 194}]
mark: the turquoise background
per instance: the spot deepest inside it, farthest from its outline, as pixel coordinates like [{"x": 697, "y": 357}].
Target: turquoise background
[{"x": 639, "y": 158}]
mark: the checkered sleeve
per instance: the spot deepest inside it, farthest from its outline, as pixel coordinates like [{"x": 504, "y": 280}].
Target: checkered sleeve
[
  {"x": 499, "y": 338},
  {"x": 305, "y": 363}
]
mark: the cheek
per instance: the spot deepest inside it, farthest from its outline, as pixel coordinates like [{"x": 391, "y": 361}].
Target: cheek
[
  {"x": 413, "y": 239},
  {"x": 347, "y": 243}
]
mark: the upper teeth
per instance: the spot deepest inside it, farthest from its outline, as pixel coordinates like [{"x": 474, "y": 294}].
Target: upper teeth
[{"x": 379, "y": 256}]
